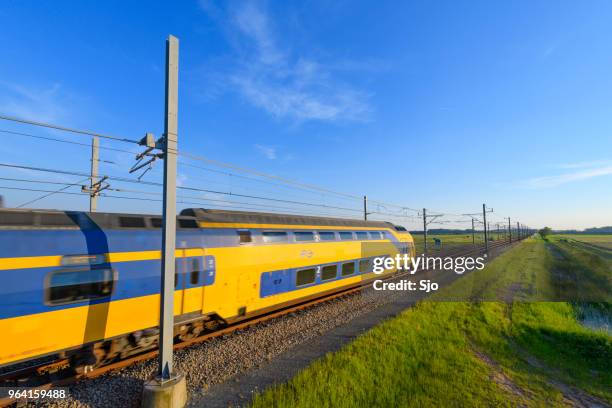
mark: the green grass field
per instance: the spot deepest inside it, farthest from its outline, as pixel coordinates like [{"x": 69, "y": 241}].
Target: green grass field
[
  {"x": 453, "y": 240},
  {"x": 449, "y": 238},
  {"x": 519, "y": 350},
  {"x": 598, "y": 240}
]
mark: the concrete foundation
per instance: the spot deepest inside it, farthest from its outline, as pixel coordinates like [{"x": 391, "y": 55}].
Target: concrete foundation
[{"x": 170, "y": 393}]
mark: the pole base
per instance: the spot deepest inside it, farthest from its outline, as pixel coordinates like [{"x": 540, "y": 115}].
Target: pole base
[{"x": 170, "y": 393}]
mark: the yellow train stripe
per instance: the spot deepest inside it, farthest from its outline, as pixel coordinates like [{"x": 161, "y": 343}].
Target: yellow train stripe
[
  {"x": 204, "y": 224},
  {"x": 26, "y": 262},
  {"x": 29, "y": 262},
  {"x": 134, "y": 256}
]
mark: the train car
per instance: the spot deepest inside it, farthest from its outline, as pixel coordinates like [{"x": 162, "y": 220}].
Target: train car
[{"x": 85, "y": 286}]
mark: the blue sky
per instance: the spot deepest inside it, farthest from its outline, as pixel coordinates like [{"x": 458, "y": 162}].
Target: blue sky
[{"x": 443, "y": 105}]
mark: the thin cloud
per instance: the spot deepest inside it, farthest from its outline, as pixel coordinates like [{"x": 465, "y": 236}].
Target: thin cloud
[
  {"x": 44, "y": 104},
  {"x": 549, "y": 51},
  {"x": 582, "y": 165},
  {"x": 282, "y": 82},
  {"x": 268, "y": 151},
  {"x": 557, "y": 180},
  {"x": 181, "y": 178},
  {"x": 253, "y": 22}
]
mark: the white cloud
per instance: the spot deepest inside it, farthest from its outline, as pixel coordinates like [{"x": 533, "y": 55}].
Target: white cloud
[
  {"x": 181, "y": 178},
  {"x": 254, "y": 23},
  {"x": 582, "y": 165},
  {"x": 268, "y": 151},
  {"x": 47, "y": 104},
  {"x": 281, "y": 81},
  {"x": 557, "y": 180}
]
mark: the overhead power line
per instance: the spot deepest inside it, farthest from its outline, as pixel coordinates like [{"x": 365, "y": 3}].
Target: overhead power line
[
  {"x": 72, "y": 142},
  {"x": 288, "y": 183},
  {"x": 66, "y": 129},
  {"x": 123, "y": 179},
  {"x": 226, "y": 204},
  {"x": 261, "y": 174},
  {"x": 50, "y": 193}
]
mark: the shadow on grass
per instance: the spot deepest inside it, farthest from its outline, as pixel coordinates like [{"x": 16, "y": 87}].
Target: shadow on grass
[
  {"x": 558, "y": 346},
  {"x": 579, "y": 277}
]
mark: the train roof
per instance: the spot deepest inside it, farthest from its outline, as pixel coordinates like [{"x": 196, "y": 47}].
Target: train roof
[
  {"x": 53, "y": 219},
  {"x": 188, "y": 218},
  {"x": 246, "y": 217}
]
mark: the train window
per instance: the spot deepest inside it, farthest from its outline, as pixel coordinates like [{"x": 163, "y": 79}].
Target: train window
[
  {"x": 156, "y": 222},
  {"x": 305, "y": 276},
  {"x": 375, "y": 235},
  {"x": 15, "y": 218},
  {"x": 304, "y": 235},
  {"x": 329, "y": 272},
  {"x": 327, "y": 235},
  {"x": 346, "y": 235},
  {"x": 56, "y": 220},
  {"x": 275, "y": 236},
  {"x": 244, "y": 236},
  {"x": 348, "y": 268},
  {"x": 362, "y": 235},
  {"x": 132, "y": 222},
  {"x": 386, "y": 235},
  {"x": 364, "y": 266},
  {"x": 187, "y": 223},
  {"x": 79, "y": 284},
  {"x": 194, "y": 275}
]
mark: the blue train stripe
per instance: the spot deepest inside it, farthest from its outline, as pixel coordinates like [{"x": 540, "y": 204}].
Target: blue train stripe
[
  {"x": 285, "y": 280},
  {"x": 23, "y": 291}
]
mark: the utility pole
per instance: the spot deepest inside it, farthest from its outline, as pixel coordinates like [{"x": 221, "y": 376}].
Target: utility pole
[
  {"x": 484, "y": 223},
  {"x": 365, "y": 208},
  {"x": 473, "y": 238},
  {"x": 509, "y": 231},
  {"x": 156, "y": 390},
  {"x": 518, "y": 231},
  {"x": 425, "y": 229},
  {"x": 166, "y": 311},
  {"x": 96, "y": 184},
  {"x": 95, "y": 159},
  {"x": 426, "y": 223}
]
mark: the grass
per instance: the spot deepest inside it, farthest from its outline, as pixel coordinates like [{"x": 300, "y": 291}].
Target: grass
[
  {"x": 451, "y": 240},
  {"x": 602, "y": 240},
  {"x": 517, "y": 350}
]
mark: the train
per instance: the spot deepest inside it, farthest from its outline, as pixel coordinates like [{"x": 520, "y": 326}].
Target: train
[{"x": 85, "y": 287}]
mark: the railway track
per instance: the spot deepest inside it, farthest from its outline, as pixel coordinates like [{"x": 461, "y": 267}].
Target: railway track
[{"x": 58, "y": 374}]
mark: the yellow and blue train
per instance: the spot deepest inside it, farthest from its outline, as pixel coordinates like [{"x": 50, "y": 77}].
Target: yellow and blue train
[{"x": 85, "y": 286}]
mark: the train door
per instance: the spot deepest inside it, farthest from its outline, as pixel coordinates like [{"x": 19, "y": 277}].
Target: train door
[
  {"x": 195, "y": 271},
  {"x": 190, "y": 279},
  {"x": 246, "y": 292}
]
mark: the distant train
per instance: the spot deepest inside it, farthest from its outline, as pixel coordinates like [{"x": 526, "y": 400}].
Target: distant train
[{"x": 85, "y": 286}]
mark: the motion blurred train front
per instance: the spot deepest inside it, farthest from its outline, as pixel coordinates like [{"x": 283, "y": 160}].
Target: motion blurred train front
[{"x": 85, "y": 286}]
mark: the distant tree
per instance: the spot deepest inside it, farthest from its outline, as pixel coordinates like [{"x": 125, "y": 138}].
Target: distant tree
[
  {"x": 545, "y": 231},
  {"x": 600, "y": 230}
]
